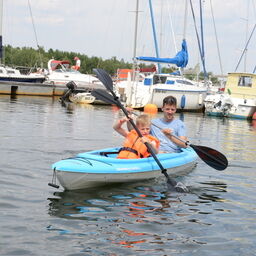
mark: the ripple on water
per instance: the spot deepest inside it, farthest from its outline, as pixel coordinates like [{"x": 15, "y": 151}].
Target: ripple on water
[{"x": 216, "y": 218}]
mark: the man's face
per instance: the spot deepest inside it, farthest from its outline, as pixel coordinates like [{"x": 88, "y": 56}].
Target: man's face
[{"x": 169, "y": 111}]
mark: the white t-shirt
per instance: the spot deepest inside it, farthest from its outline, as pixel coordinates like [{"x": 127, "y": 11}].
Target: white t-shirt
[{"x": 78, "y": 63}]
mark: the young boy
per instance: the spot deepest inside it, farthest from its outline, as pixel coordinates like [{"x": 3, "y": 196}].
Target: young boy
[
  {"x": 134, "y": 146},
  {"x": 169, "y": 125}
]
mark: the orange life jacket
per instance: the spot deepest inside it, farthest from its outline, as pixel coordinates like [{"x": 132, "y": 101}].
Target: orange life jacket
[{"x": 134, "y": 148}]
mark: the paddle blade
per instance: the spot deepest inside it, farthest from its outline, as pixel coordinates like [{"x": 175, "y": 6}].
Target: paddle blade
[
  {"x": 104, "y": 77},
  {"x": 103, "y": 95},
  {"x": 212, "y": 157}
]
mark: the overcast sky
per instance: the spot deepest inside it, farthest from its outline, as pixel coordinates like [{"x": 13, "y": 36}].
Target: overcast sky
[{"x": 105, "y": 28}]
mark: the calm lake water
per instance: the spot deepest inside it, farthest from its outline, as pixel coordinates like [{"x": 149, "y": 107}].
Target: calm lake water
[{"x": 217, "y": 218}]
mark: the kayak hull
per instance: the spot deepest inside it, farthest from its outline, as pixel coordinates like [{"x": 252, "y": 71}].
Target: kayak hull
[{"x": 92, "y": 169}]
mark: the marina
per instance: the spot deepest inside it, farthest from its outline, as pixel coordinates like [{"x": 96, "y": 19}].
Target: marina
[
  {"x": 140, "y": 218},
  {"x": 67, "y": 186}
]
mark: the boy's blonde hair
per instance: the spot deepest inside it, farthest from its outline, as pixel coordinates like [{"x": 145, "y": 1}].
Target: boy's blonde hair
[{"x": 143, "y": 119}]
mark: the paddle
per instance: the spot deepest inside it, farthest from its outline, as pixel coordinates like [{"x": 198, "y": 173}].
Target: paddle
[
  {"x": 210, "y": 156},
  {"x": 104, "y": 77}
]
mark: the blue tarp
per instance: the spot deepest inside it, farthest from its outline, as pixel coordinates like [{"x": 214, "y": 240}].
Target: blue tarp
[{"x": 181, "y": 58}]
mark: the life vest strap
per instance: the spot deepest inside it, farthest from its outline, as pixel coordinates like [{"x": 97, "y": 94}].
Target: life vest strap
[{"x": 131, "y": 150}]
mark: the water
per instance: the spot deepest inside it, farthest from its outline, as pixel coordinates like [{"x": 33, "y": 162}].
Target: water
[{"x": 216, "y": 218}]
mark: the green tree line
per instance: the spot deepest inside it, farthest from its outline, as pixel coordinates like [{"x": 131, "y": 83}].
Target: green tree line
[{"x": 34, "y": 58}]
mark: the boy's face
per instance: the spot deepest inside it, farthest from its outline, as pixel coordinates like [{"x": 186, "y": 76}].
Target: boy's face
[
  {"x": 169, "y": 111},
  {"x": 144, "y": 129}
]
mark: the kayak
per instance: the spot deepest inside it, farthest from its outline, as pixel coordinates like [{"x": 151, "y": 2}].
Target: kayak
[{"x": 101, "y": 167}]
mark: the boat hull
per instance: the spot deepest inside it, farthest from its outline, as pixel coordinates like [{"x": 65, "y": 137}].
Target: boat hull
[
  {"x": 155, "y": 87},
  {"x": 82, "y": 98},
  {"x": 224, "y": 105},
  {"x": 187, "y": 99},
  {"x": 90, "y": 169},
  {"x": 23, "y": 79}
]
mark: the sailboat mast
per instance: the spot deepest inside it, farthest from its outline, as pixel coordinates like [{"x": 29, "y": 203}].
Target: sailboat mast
[
  {"x": 136, "y": 29},
  {"x": 1, "y": 30},
  {"x": 135, "y": 40},
  {"x": 154, "y": 34},
  {"x": 202, "y": 40}
]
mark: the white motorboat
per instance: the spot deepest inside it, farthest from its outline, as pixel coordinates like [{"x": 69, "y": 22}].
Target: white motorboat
[
  {"x": 238, "y": 99},
  {"x": 60, "y": 73},
  {"x": 9, "y": 74}
]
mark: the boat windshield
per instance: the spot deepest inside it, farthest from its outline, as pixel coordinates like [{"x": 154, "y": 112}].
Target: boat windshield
[
  {"x": 69, "y": 70},
  {"x": 73, "y": 71},
  {"x": 184, "y": 82}
]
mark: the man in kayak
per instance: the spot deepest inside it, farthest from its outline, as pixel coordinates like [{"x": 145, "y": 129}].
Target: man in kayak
[
  {"x": 163, "y": 128},
  {"x": 134, "y": 146}
]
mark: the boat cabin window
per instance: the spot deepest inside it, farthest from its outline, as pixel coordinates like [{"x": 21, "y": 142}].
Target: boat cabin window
[
  {"x": 184, "y": 82},
  {"x": 10, "y": 72},
  {"x": 159, "y": 79},
  {"x": 170, "y": 82},
  {"x": 245, "y": 81},
  {"x": 1, "y": 71}
]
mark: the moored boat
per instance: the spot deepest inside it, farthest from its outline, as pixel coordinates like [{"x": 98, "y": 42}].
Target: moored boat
[
  {"x": 101, "y": 167},
  {"x": 10, "y": 74},
  {"x": 238, "y": 100},
  {"x": 61, "y": 73}
]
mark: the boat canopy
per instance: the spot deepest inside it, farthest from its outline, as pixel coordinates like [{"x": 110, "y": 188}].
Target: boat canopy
[
  {"x": 180, "y": 60},
  {"x": 55, "y": 64}
]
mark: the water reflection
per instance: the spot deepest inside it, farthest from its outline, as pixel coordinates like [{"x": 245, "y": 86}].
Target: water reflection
[
  {"x": 218, "y": 217},
  {"x": 83, "y": 204},
  {"x": 140, "y": 217},
  {"x": 142, "y": 203}
]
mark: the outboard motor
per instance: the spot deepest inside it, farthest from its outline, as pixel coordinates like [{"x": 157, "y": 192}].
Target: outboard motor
[{"x": 71, "y": 88}]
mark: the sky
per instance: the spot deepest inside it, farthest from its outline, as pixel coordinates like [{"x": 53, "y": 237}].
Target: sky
[{"x": 106, "y": 29}]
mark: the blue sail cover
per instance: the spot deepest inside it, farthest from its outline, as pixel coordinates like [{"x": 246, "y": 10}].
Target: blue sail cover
[{"x": 180, "y": 60}]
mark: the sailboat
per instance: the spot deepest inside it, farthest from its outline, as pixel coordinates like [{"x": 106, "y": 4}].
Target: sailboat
[
  {"x": 189, "y": 94},
  {"x": 156, "y": 86}
]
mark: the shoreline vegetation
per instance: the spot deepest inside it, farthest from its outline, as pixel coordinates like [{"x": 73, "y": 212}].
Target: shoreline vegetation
[{"x": 28, "y": 58}]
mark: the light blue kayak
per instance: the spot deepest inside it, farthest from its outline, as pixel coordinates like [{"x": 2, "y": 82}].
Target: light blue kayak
[{"x": 101, "y": 167}]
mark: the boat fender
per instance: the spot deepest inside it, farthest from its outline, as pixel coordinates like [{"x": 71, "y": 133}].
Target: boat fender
[{"x": 183, "y": 101}]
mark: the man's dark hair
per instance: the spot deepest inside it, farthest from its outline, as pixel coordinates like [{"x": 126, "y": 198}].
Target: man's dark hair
[{"x": 170, "y": 100}]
